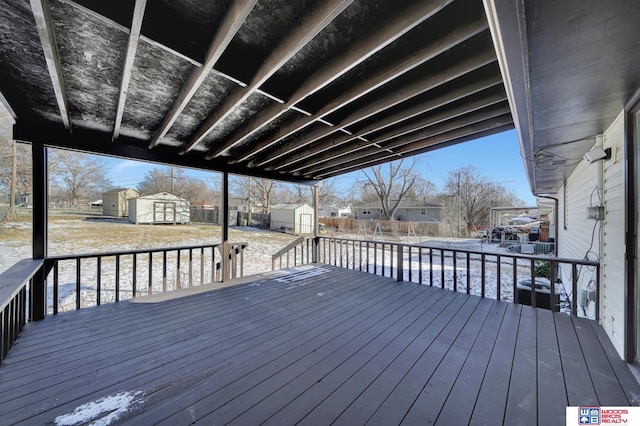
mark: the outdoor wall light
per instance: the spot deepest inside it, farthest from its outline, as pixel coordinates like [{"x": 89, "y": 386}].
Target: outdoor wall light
[{"x": 597, "y": 154}]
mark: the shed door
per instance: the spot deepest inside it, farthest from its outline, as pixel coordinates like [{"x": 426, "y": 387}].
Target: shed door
[
  {"x": 306, "y": 226},
  {"x": 164, "y": 212}
]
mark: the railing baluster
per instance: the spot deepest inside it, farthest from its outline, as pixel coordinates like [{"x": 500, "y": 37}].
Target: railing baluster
[
  {"x": 117, "y": 278},
  {"x": 552, "y": 288},
  {"x": 441, "y": 268},
  {"x": 134, "y": 268},
  {"x": 98, "y": 279},
  {"x": 78, "y": 283},
  {"x": 468, "y": 273},
  {"x": 420, "y": 280},
  {"x": 164, "y": 271},
  {"x": 399, "y": 263},
  {"x": 178, "y": 283},
  {"x": 367, "y": 256},
  {"x": 430, "y": 267},
  {"x": 150, "y": 283},
  {"x": 574, "y": 290},
  {"x": 410, "y": 265},
  {"x": 515, "y": 280},
  {"x": 455, "y": 270},
  {"x": 533, "y": 283},
  {"x": 499, "y": 272},
  {"x": 202, "y": 266},
  {"x": 483, "y": 278},
  {"x": 190, "y": 267},
  {"x": 383, "y": 253},
  {"x": 55, "y": 287}
]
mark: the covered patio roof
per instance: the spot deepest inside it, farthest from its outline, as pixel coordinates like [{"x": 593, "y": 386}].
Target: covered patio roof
[
  {"x": 297, "y": 90},
  {"x": 570, "y": 67}
]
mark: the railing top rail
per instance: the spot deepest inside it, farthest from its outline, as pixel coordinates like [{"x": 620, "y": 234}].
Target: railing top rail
[
  {"x": 13, "y": 279},
  {"x": 461, "y": 250},
  {"x": 139, "y": 251},
  {"x": 291, "y": 245}
]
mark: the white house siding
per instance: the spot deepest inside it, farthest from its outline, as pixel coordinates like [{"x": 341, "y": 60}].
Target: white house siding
[
  {"x": 158, "y": 208},
  {"x": 575, "y": 230},
  {"x": 613, "y": 236}
]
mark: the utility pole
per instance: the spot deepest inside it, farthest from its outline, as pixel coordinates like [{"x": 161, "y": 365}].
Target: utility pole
[{"x": 172, "y": 177}]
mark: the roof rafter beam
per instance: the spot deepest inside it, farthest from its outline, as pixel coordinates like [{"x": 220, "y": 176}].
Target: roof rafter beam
[
  {"x": 233, "y": 20},
  {"x": 447, "y": 114},
  {"x": 386, "y": 102},
  {"x": 444, "y": 141},
  {"x": 397, "y": 118},
  {"x": 132, "y": 47},
  {"x": 42, "y": 14},
  {"x": 440, "y": 141},
  {"x": 397, "y": 146},
  {"x": 368, "y": 85},
  {"x": 7, "y": 106},
  {"x": 382, "y": 36},
  {"x": 315, "y": 21}
]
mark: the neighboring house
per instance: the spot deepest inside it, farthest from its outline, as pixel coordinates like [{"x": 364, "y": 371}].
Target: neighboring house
[
  {"x": 116, "y": 202},
  {"x": 335, "y": 211},
  {"x": 409, "y": 211},
  {"x": 158, "y": 209},
  {"x": 294, "y": 218}
]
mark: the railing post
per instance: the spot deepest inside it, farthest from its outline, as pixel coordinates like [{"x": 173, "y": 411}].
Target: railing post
[{"x": 400, "y": 263}]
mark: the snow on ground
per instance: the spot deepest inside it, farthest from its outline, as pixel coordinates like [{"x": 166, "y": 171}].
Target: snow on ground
[
  {"x": 101, "y": 412},
  {"x": 91, "y": 236}
]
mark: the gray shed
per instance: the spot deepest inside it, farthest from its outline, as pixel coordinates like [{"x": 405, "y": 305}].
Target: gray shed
[
  {"x": 294, "y": 218},
  {"x": 116, "y": 201},
  {"x": 159, "y": 208}
]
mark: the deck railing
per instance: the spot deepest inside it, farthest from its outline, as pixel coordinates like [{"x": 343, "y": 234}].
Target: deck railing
[
  {"x": 97, "y": 278},
  {"x": 78, "y": 281},
  {"x": 301, "y": 251},
  {"x": 14, "y": 307},
  {"x": 503, "y": 276}
]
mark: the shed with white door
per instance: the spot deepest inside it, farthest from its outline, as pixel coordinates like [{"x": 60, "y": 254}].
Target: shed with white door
[
  {"x": 293, "y": 218},
  {"x": 160, "y": 208}
]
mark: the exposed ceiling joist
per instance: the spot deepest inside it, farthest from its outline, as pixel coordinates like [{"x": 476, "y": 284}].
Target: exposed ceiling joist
[
  {"x": 432, "y": 144},
  {"x": 473, "y": 131},
  {"x": 44, "y": 23},
  {"x": 6, "y": 105},
  {"x": 382, "y": 36},
  {"x": 364, "y": 87},
  {"x": 315, "y": 21},
  {"x": 233, "y": 20},
  {"x": 406, "y": 114},
  {"x": 428, "y": 120},
  {"x": 132, "y": 47},
  {"x": 398, "y": 144},
  {"x": 454, "y": 38}
]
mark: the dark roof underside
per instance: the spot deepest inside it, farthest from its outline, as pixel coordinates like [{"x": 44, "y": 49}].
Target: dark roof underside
[{"x": 290, "y": 89}]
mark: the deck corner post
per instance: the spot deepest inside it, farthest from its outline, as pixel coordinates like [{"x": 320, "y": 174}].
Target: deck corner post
[
  {"x": 224, "y": 249},
  {"x": 38, "y": 291}
]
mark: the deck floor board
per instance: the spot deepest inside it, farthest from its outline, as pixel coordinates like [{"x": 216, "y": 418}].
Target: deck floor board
[{"x": 310, "y": 345}]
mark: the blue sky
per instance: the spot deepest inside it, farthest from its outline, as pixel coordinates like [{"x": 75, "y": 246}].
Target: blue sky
[{"x": 497, "y": 157}]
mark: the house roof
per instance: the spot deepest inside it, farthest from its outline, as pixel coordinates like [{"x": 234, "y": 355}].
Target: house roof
[
  {"x": 288, "y": 206},
  {"x": 570, "y": 68},
  {"x": 297, "y": 90},
  {"x": 406, "y": 204},
  {"x": 119, "y": 190}
]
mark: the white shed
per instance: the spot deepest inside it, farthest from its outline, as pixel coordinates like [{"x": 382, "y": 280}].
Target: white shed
[
  {"x": 159, "y": 208},
  {"x": 294, "y": 218},
  {"x": 116, "y": 202}
]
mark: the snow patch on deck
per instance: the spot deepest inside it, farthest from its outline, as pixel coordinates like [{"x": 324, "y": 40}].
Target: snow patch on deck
[{"x": 101, "y": 412}]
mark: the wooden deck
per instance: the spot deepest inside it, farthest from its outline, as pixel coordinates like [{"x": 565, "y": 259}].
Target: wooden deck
[{"x": 313, "y": 345}]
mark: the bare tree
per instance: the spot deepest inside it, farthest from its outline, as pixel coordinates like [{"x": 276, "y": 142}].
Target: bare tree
[
  {"x": 391, "y": 184},
  {"x": 76, "y": 175},
  {"x": 471, "y": 195},
  {"x": 263, "y": 191},
  {"x": 175, "y": 181}
]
